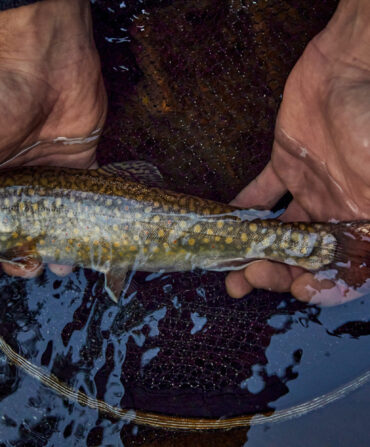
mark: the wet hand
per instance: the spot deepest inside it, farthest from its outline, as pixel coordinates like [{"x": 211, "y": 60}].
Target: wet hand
[
  {"x": 51, "y": 87},
  {"x": 321, "y": 154}
]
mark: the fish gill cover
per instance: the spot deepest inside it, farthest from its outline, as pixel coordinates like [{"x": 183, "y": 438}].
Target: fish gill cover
[{"x": 194, "y": 88}]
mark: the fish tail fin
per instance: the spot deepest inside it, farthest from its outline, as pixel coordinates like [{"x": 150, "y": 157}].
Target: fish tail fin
[{"x": 352, "y": 253}]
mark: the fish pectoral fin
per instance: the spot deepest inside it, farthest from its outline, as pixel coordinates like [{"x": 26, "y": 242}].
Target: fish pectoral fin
[
  {"x": 135, "y": 171},
  {"x": 25, "y": 256},
  {"x": 114, "y": 283}
]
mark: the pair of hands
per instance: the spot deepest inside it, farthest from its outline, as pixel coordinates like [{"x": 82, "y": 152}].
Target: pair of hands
[{"x": 321, "y": 151}]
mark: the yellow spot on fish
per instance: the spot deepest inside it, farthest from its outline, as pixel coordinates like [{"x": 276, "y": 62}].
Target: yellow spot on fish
[
  {"x": 160, "y": 233},
  {"x": 206, "y": 240},
  {"x": 266, "y": 242},
  {"x": 182, "y": 224},
  {"x": 109, "y": 202},
  {"x": 295, "y": 236},
  {"x": 31, "y": 192},
  {"x": 244, "y": 237},
  {"x": 191, "y": 241},
  {"x": 21, "y": 207},
  {"x": 156, "y": 219},
  {"x": 75, "y": 230},
  {"x": 182, "y": 211},
  {"x": 59, "y": 220},
  {"x": 304, "y": 250},
  {"x": 220, "y": 224},
  {"x": 70, "y": 214},
  {"x": 228, "y": 240},
  {"x": 7, "y": 202},
  {"x": 132, "y": 248},
  {"x": 86, "y": 239},
  {"x": 197, "y": 228},
  {"x": 165, "y": 245},
  {"x": 136, "y": 238},
  {"x": 155, "y": 249},
  {"x": 156, "y": 204},
  {"x": 209, "y": 231},
  {"x": 148, "y": 209},
  {"x": 116, "y": 244},
  {"x": 42, "y": 242},
  {"x": 68, "y": 249},
  {"x": 96, "y": 242},
  {"x": 70, "y": 241},
  {"x": 58, "y": 201},
  {"x": 46, "y": 204},
  {"x": 253, "y": 227},
  {"x": 35, "y": 206},
  {"x": 217, "y": 238},
  {"x": 230, "y": 229},
  {"x": 137, "y": 215},
  {"x": 115, "y": 227},
  {"x": 29, "y": 238}
]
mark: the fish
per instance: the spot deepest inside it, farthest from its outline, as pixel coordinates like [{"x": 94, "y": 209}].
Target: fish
[{"x": 120, "y": 218}]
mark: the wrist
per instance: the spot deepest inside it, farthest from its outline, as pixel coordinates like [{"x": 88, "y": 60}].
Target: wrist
[
  {"x": 48, "y": 32},
  {"x": 347, "y": 36}
]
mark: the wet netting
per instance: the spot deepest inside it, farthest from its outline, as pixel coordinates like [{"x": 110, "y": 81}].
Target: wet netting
[{"x": 194, "y": 88}]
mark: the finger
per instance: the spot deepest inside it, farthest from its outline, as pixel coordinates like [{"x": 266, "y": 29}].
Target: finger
[
  {"x": 271, "y": 276},
  {"x": 311, "y": 289},
  {"x": 60, "y": 269},
  {"x": 295, "y": 213},
  {"x": 264, "y": 191},
  {"x": 94, "y": 165},
  {"x": 32, "y": 269},
  {"x": 236, "y": 284}
]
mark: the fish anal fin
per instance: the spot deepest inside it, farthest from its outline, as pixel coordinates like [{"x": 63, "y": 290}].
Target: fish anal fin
[
  {"x": 114, "y": 283},
  {"x": 135, "y": 171}
]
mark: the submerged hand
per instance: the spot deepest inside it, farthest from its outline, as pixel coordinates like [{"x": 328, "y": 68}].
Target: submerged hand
[
  {"x": 50, "y": 86},
  {"x": 321, "y": 153}
]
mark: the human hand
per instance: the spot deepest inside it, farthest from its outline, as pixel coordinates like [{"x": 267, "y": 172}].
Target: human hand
[
  {"x": 51, "y": 86},
  {"x": 321, "y": 152}
]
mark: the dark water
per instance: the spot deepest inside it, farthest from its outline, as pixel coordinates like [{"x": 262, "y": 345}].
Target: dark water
[{"x": 194, "y": 88}]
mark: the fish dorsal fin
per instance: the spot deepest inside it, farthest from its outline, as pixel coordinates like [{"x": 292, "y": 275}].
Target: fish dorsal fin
[{"x": 135, "y": 171}]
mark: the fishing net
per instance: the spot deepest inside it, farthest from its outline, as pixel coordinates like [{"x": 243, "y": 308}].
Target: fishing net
[{"x": 194, "y": 88}]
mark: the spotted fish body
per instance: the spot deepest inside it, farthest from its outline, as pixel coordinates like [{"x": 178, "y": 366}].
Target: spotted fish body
[{"x": 104, "y": 220}]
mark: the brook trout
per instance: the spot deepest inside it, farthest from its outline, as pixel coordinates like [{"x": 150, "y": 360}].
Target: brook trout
[{"x": 116, "y": 219}]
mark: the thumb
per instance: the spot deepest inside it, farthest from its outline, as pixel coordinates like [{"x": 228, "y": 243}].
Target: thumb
[{"x": 262, "y": 192}]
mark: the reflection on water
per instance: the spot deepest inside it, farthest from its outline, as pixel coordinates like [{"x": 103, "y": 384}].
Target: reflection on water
[
  {"x": 166, "y": 350},
  {"x": 176, "y": 344}
]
